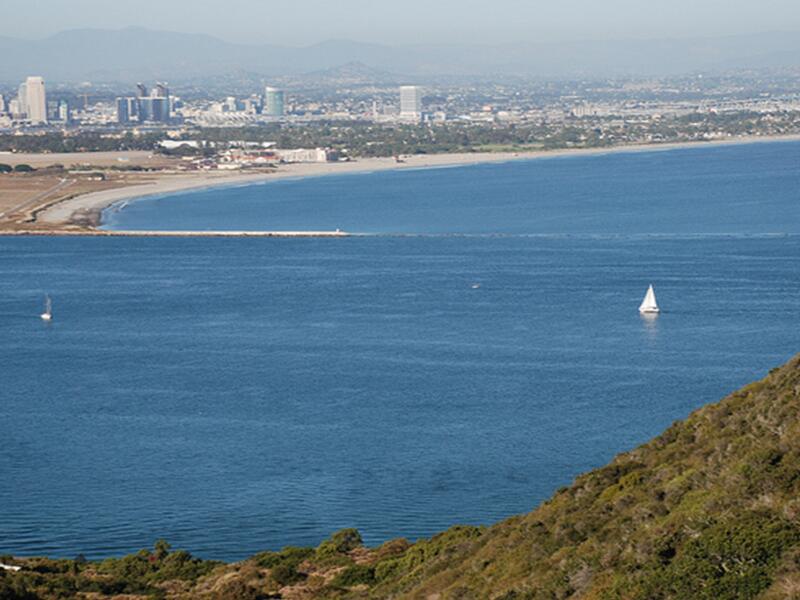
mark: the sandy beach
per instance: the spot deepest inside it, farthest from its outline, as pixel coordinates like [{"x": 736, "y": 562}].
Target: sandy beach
[{"x": 67, "y": 213}]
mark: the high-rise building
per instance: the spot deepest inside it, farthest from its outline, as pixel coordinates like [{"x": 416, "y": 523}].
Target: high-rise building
[
  {"x": 153, "y": 107},
  {"x": 252, "y": 105},
  {"x": 145, "y": 108},
  {"x": 22, "y": 99},
  {"x": 160, "y": 91},
  {"x": 126, "y": 109},
  {"x": 58, "y": 110},
  {"x": 231, "y": 105},
  {"x": 411, "y": 103},
  {"x": 274, "y": 102},
  {"x": 3, "y": 107},
  {"x": 36, "y": 100},
  {"x": 160, "y": 109},
  {"x": 64, "y": 113},
  {"x": 52, "y": 110}
]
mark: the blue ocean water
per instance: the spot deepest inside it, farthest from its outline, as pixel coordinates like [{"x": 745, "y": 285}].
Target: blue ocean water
[
  {"x": 730, "y": 189},
  {"x": 234, "y": 395}
]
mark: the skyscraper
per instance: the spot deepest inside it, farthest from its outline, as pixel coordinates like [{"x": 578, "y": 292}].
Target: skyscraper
[
  {"x": 52, "y": 110},
  {"x": 274, "y": 102},
  {"x": 22, "y": 99},
  {"x": 36, "y": 100},
  {"x": 126, "y": 109},
  {"x": 160, "y": 109},
  {"x": 411, "y": 103},
  {"x": 64, "y": 113},
  {"x": 230, "y": 104},
  {"x": 146, "y": 107}
]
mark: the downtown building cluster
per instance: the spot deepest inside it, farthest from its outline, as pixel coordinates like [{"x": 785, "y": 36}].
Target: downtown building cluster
[
  {"x": 256, "y": 109},
  {"x": 156, "y": 106},
  {"x": 271, "y": 104},
  {"x": 31, "y": 105},
  {"x": 148, "y": 106}
]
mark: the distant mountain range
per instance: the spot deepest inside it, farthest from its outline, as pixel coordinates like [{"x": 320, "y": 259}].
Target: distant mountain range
[{"x": 132, "y": 54}]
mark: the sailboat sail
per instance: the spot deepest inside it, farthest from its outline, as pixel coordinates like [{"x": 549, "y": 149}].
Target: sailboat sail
[
  {"x": 47, "y": 315},
  {"x": 649, "y": 304}
]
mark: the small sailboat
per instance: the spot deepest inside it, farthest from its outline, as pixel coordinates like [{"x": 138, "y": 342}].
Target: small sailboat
[
  {"x": 649, "y": 305},
  {"x": 47, "y": 315}
]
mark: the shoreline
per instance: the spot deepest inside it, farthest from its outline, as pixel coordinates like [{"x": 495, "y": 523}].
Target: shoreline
[
  {"x": 166, "y": 233},
  {"x": 82, "y": 214}
]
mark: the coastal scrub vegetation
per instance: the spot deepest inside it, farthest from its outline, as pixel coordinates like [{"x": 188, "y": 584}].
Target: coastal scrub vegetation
[{"x": 709, "y": 510}]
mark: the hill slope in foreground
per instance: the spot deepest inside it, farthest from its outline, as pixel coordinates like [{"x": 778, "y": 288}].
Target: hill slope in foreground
[{"x": 710, "y": 509}]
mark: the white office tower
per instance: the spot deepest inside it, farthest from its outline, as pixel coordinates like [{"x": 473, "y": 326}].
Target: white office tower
[
  {"x": 411, "y": 103},
  {"x": 36, "y": 100},
  {"x": 22, "y": 100}
]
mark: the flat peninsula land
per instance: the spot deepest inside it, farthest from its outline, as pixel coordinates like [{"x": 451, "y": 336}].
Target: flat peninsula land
[{"x": 708, "y": 510}]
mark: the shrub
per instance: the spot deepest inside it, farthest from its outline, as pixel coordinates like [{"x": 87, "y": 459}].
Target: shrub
[
  {"x": 729, "y": 561},
  {"x": 285, "y": 574},
  {"x": 183, "y": 566},
  {"x": 388, "y": 569},
  {"x": 237, "y": 589},
  {"x": 334, "y": 550},
  {"x": 289, "y": 555},
  {"x": 24, "y": 169},
  {"x": 344, "y": 541},
  {"x": 355, "y": 575},
  {"x": 13, "y": 589},
  {"x": 392, "y": 549}
]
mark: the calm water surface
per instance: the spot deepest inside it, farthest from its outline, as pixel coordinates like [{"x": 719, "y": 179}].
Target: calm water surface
[
  {"x": 236, "y": 395},
  {"x": 733, "y": 189}
]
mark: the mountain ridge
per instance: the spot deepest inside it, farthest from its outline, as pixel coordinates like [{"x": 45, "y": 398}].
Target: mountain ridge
[{"x": 130, "y": 54}]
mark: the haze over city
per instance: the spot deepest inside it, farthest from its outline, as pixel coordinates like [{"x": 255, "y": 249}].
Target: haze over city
[{"x": 412, "y": 21}]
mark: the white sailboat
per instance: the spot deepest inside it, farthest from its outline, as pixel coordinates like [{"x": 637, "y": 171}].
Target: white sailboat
[
  {"x": 649, "y": 305},
  {"x": 47, "y": 315}
]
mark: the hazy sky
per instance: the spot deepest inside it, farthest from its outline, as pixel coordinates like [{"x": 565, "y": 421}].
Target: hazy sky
[{"x": 300, "y": 22}]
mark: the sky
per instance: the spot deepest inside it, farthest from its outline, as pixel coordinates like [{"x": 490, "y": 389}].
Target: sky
[{"x": 303, "y": 22}]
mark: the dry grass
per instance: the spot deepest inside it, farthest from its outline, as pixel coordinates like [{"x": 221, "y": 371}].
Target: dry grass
[
  {"x": 22, "y": 195},
  {"x": 95, "y": 159}
]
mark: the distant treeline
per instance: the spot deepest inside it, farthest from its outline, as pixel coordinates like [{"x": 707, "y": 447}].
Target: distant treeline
[
  {"x": 366, "y": 139},
  {"x": 82, "y": 142}
]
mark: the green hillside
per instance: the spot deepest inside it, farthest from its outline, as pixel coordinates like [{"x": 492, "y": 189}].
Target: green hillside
[{"x": 710, "y": 509}]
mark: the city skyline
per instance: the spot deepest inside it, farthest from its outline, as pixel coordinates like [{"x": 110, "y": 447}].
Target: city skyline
[{"x": 447, "y": 21}]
